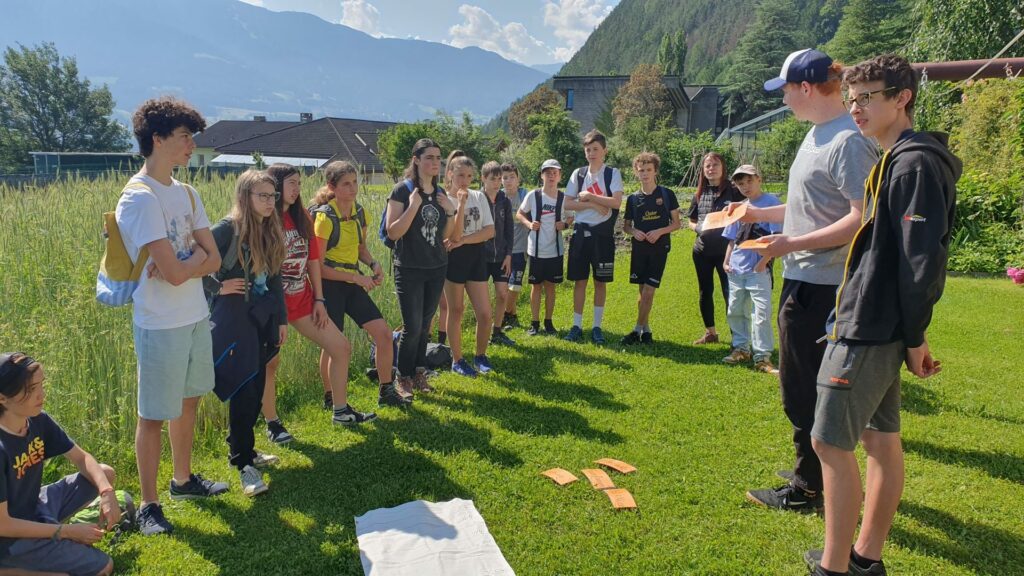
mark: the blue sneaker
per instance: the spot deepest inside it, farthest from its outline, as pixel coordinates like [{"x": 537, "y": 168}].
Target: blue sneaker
[
  {"x": 596, "y": 335},
  {"x": 483, "y": 364},
  {"x": 463, "y": 368},
  {"x": 575, "y": 334}
]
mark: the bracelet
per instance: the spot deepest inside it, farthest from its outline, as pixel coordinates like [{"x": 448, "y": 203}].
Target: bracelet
[
  {"x": 320, "y": 300},
  {"x": 56, "y": 535},
  {"x": 106, "y": 491}
]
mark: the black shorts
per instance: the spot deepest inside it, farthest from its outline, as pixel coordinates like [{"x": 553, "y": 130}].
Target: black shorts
[
  {"x": 348, "y": 299},
  {"x": 495, "y": 273},
  {"x": 546, "y": 269},
  {"x": 515, "y": 281},
  {"x": 591, "y": 252},
  {"x": 467, "y": 263},
  {"x": 647, "y": 266}
]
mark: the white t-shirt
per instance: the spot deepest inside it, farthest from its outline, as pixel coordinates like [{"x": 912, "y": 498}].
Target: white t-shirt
[
  {"x": 477, "y": 213},
  {"x": 550, "y": 239},
  {"x": 165, "y": 212},
  {"x": 593, "y": 183}
]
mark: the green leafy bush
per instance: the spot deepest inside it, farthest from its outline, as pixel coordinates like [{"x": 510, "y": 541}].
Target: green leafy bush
[{"x": 988, "y": 235}]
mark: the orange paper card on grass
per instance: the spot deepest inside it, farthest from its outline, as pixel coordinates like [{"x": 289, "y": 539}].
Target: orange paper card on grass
[
  {"x": 599, "y": 479},
  {"x": 560, "y": 476},
  {"x": 621, "y": 498},
  {"x": 754, "y": 244},
  {"x": 617, "y": 465}
]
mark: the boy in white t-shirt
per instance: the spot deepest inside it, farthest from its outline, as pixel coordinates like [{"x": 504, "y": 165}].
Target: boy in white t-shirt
[
  {"x": 173, "y": 346},
  {"x": 541, "y": 213},
  {"x": 594, "y": 192}
]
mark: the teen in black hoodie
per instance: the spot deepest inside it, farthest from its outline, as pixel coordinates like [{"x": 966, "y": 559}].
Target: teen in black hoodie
[{"x": 894, "y": 274}]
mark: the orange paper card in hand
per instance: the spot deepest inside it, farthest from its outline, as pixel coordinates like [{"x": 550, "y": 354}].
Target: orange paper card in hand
[
  {"x": 758, "y": 244},
  {"x": 598, "y": 478},
  {"x": 560, "y": 476},
  {"x": 621, "y": 498},
  {"x": 617, "y": 465},
  {"x": 721, "y": 219}
]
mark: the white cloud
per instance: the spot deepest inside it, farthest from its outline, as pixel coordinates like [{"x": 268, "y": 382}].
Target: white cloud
[
  {"x": 573, "y": 21},
  {"x": 512, "y": 41},
  {"x": 361, "y": 15}
]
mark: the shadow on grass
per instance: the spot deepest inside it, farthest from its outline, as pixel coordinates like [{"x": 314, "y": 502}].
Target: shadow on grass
[
  {"x": 997, "y": 464},
  {"x": 979, "y": 548},
  {"x": 526, "y": 417},
  {"x": 923, "y": 401},
  {"x": 675, "y": 351}
]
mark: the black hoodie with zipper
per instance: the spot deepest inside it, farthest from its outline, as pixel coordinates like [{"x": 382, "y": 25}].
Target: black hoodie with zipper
[{"x": 896, "y": 267}]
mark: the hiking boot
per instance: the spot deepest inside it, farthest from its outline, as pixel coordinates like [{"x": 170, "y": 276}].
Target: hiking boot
[
  {"x": 151, "y": 520},
  {"x": 765, "y": 365},
  {"x": 196, "y": 487},
  {"x": 813, "y": 560},
  {"x": 328, "y": 400},
  {"x": 787, "y": 497},
  {"x": 737, "y": 356},
  {"x": 262, "y": 461},
  {"x": 502, "y": 340},
  {"x": 630, "y": 339},
  {"x": 549, "y": 328},
  {"x": 707, "y": 338},
  {"x": 404, "y": 386},
  {"x": 277, "y": 433},
  {"x": 388, "y": 396},
  {"x": 596, "y": 335},
  {"x": 252, "y": 481},
  {"x": 575, "y": 334},
  {"x": 647, "y": 338},
  {"x": 463, "y": 368},
  {"x": 427, "y": 372},
  {"x": 534, "y": 330},
  {"x": 483, "y": 364},
  {"x": 350, "y": 417},
  {"x": 420, "y": 383}
]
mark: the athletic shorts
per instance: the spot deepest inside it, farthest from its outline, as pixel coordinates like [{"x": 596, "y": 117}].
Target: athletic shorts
[
  {"x": 58, "y": 502},
  {"x": 495, "y": 273},
  {"x": 647, "y": 267},
  {"x": 348, "y": 299},
  {"x": 173, "y": 364},
  {"x": 590, "y": 253},
  {"x": 546, "y": 269},
  {"x": 515, "y": 281},
  {"x": 858, "y": 389},
  {"x": 467, "y": 263}
]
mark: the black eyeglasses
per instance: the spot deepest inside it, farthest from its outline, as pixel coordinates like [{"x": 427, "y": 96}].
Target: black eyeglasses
[
  {"x": 268, "y": 197},
  {"x": 863, "y": 99}
]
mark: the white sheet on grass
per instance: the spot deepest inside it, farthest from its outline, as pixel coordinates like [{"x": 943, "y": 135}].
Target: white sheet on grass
[{"x": 422, "y": 538}]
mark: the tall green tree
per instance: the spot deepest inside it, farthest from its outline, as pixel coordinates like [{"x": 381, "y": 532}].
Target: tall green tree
[
  {"x": 541, "y": 98},
  {"x": 758, "y": 56},
  {"x": 967, "y": 29},
  {"x": 46, "y": 106},
  {"x": 643, "y": 97},
  {"x": 672, "y": 53},
  {"x": 869, "y": 28},
  {"x": 558, "y": 137}
]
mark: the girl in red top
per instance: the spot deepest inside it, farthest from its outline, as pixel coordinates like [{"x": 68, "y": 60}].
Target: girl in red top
[{"x": 304, "y": 298}]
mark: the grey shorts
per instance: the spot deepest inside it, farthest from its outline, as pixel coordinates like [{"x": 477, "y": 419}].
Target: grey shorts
[
  {"x": 173, "y": 364},
  {"x": 58, "y": 502},
  {"x": 858, "y": 389}
]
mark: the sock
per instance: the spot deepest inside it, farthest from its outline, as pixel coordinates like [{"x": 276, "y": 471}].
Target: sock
[
  {"x": 577, "y": 320},
  {"x": 548, "y": 324},
  {"x": 639, "y": 329},
  {"x": 535, "y": 324},
  {"x": 861, "y": 561},
  {"x": 339, "y": 410},
  {"x": 598, "y": 316},
  {"x": 496, "y": 330},
  {"x": 274, "y": 421},
  {"x": 646, "y": 329},
  {"x": 442, "y": 336}
]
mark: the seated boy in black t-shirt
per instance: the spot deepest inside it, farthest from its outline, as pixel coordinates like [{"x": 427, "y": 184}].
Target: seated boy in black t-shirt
[
  {"x": 32, "y": 536},
  {"x": 651, "y": 215}
]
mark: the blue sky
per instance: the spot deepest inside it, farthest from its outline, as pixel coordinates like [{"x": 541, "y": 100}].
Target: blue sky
[{"x": 527, "y": 31}]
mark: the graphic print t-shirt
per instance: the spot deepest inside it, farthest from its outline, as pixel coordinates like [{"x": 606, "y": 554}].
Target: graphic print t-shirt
[
  {"x": 22, "y": 459},
  {"x": 422, "y": 246},
  {"x": 298, "y": 293},
  {"x": 550, "y": 242},
  {"x": 595, "y": 185},
  {"x": 650, "y": 212},
  {"x": 477, "y": 213},
  {"x": 144, "y": 216}
]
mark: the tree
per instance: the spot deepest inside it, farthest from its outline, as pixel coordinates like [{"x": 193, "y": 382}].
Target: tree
[
  {"x": 558, "y": 137},
  {"x": 777, "y": 148},
  {"x": 46, "y": 106},
  {"x": 395, "y": 144},
  {"x": 644, "y": 96},
  {"x": 967, "y": 29},
  {"x": 869, "y": 28},
  {"x": 540, "y": 99},
  {"x": 672, "y": 53},
  {"x": 758, "y": 56}
]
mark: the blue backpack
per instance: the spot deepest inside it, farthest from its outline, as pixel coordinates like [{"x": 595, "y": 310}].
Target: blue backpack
[{"x": 382, "y": 232}]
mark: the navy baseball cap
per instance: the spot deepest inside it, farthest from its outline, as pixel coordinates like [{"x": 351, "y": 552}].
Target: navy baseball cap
[{"x": 808, "y": 65}]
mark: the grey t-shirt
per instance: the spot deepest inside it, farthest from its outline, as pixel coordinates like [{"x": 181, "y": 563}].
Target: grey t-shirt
[{"x": 829, "y": 171}]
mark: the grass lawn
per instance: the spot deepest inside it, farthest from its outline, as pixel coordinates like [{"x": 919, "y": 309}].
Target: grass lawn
[{"x": 699, "y": 432}]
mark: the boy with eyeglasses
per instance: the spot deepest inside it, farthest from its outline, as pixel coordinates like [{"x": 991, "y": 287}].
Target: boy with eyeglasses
[{"x": 894, "y": 275}]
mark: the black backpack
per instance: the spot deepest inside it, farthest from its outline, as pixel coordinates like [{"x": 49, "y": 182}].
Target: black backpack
[{"x": 539, "y": 197}]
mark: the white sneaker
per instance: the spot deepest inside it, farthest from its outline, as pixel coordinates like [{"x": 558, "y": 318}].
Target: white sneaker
[
  {"x": 252, "y": 481},
  {"x": 262, "y": 461}
]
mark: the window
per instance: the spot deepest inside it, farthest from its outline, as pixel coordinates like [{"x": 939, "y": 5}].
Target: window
[
  {"x": 202, "y": 160},
  {"x": 569, "y": 94}
]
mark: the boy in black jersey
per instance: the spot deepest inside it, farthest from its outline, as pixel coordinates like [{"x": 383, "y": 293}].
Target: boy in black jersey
[{"x": 651, "y": 215}]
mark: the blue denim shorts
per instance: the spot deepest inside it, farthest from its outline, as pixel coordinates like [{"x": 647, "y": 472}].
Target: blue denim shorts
[{"x": 174, "y": 364}]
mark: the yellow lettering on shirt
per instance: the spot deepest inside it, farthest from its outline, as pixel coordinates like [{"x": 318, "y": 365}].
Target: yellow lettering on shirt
[{"x": 35, "y": 454}]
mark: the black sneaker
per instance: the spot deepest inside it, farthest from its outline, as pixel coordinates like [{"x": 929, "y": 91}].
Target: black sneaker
[
  {"x": 388, "y": 396},
  {"x": 647, "y": 338},
  {"x": 549, "y": 328},
  {"x": 501, "y": 339},
  {"x": 196, "y": 487},
  {"x": 630, "y": 339},
  {"x": 328, "y": 400},
  {"x": 787, "y": 497},
  {"x": 813, "y": 560},
  {"x": 511, "y": 321},
  {"x": 534, "y": 329},
  {"x": 350, "y": 417},
  {"x": 277, "y": 433},
  {"x": 151, "y": 520}
]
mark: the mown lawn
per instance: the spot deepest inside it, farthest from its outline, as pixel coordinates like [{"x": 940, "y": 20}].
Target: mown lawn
[{"x": 699, "y": 432}]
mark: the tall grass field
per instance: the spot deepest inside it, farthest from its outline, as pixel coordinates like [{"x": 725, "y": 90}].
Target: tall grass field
[{"x": 700, "y": 433}]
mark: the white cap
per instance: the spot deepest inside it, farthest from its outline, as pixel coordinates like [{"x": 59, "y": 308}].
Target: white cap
[{"x": 550, "y": 163}]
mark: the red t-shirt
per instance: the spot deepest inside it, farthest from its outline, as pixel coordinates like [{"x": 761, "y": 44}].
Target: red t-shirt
[{"x": 298, "y": 292}]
